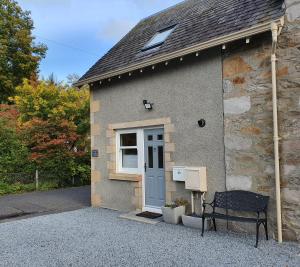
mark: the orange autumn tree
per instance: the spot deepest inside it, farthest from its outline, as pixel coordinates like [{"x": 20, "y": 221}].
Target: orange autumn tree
[
  {"x": 46, "y": 139},
  {"x": 9, "y": 113},
  {"x": 54, "y": 123}
]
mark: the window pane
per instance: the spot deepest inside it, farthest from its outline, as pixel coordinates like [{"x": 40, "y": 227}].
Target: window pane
[
  {"x": 150, "y": 137},
  {"x": 128, "y": 139},
  {"x": 160, "y": 137},
  {"x": 160, "y": 157},
  {"x": 150, "y": 157},
  {"x": 159, "y": 37},
  {"x": 129, "y": 158}
]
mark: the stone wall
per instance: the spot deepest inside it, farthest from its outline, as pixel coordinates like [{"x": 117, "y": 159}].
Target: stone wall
[
  {"x": 248, "y": 123},
  {"x": 288, "y": 54},
  {"x": 248, "y": 119}
]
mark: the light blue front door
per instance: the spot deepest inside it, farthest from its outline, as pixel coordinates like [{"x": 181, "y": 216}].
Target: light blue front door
[{"x": 154, "y": 168}]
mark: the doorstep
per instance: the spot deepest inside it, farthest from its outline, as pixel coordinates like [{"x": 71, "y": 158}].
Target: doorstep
[{"x": 132, "y": 216}]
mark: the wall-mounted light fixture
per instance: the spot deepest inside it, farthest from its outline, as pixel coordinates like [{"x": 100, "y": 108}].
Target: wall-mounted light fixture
[
  {"x": 201, "y": 123},
  {"x": 147, "y": 104}
]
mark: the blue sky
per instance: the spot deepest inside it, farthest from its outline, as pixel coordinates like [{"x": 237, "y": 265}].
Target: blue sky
[{"x": 79, "y": 32}]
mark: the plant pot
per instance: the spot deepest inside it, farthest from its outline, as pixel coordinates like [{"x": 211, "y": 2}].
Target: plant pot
[
  {"x": 194, "y": 221},
  {"x": 173, "y": 215}
]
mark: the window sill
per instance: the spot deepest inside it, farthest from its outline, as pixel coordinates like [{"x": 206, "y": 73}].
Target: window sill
[{"x": 125, "y": 177}]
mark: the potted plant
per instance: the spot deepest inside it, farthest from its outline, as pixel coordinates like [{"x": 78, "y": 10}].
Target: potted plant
[
  {"x": 173, "y": 212},
  {"x": 194, "y": 221}
]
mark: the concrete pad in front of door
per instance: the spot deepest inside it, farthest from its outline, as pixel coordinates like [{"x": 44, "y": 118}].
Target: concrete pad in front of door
[{"x": 132, "y": 216}]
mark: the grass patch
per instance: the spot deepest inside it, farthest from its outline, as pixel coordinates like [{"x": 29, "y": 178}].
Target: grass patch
[
  {"x": 15, "y": 188},
  {"x": 18, "y": 188},
  {"x": 48, "y": 186}
]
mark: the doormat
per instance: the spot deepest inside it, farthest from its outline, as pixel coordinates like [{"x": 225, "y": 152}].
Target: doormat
[{"x": 149, "y": 215}]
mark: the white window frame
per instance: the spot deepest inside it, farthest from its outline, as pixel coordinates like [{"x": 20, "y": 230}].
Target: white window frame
[{"x": 140, "y": 151}]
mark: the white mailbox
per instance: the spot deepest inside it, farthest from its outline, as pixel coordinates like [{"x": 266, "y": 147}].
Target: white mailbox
[
  {"x": 179, "y": 173},
  {"x": 196, "y": 179}
]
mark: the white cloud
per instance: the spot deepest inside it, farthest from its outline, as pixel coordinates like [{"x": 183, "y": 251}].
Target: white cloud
[{"x": 114, "y": 29}]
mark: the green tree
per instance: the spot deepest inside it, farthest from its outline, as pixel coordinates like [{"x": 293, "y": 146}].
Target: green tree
[
  {"x": 49, "y": 101},
  {"x": 19, "y": 54},
  {"x": 54, "y": 124},
  {"x": 13, "y": 153}
]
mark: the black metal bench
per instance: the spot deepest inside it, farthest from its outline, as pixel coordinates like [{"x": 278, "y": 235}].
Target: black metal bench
[{"x": 238, "y": 200}]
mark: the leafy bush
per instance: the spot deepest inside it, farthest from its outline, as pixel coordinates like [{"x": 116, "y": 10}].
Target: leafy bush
[
  {"x": 48, "y": 186},
  {"x": 13, "y": 153},
  {"x": 15, "y": 188},
  {"x": 177, "y": 203}
]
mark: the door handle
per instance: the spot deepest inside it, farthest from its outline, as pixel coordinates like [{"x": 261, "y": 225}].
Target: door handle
[{"x": 145, "y": 166}]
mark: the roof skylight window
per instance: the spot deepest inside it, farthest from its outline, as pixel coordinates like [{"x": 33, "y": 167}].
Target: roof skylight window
[{"x": 159, "y": 38}]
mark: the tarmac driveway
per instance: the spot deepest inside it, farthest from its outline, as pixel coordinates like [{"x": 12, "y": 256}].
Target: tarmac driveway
[
  {"x": 18, "y": 206},
  {"x": 98, "y": 237}
]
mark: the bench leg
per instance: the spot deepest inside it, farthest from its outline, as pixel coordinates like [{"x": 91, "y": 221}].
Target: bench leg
[
  {"x": 203, "y": 221},
  {"x": 266, "y": 229},
  {"x": 257, "y": 233},
  {"x": 214, "y": 222}
]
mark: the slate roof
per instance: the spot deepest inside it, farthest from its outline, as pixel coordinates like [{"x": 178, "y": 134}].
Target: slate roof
[{"x": 196, "y": 21}]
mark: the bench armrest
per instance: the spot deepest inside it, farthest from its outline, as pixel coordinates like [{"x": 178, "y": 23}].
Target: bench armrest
[{"x": 204, "y": 204}]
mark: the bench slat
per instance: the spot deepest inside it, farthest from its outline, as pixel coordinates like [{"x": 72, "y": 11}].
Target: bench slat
[
  {"x": 240, "y": 200},
  {"x": 231, "y": 217}
]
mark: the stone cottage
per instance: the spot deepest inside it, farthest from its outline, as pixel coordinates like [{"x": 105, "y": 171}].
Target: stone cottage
[{"x": 203, "y": 83}]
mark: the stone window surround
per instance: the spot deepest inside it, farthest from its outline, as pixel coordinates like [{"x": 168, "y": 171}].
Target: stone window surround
[{"x": 168, "y": 127}]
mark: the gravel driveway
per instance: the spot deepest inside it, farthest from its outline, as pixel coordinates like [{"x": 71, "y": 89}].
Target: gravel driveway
[{"x": 97, "y": 237}]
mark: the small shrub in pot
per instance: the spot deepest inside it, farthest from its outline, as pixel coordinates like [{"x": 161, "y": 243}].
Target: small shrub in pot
[{"x": 173, "y": 212}]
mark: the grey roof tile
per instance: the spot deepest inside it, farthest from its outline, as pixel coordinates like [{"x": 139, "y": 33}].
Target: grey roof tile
[{"x": 196, "y": 21}]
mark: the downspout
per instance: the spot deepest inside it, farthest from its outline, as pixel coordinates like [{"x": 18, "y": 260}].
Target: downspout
[{"x": 274, "y": 29}]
